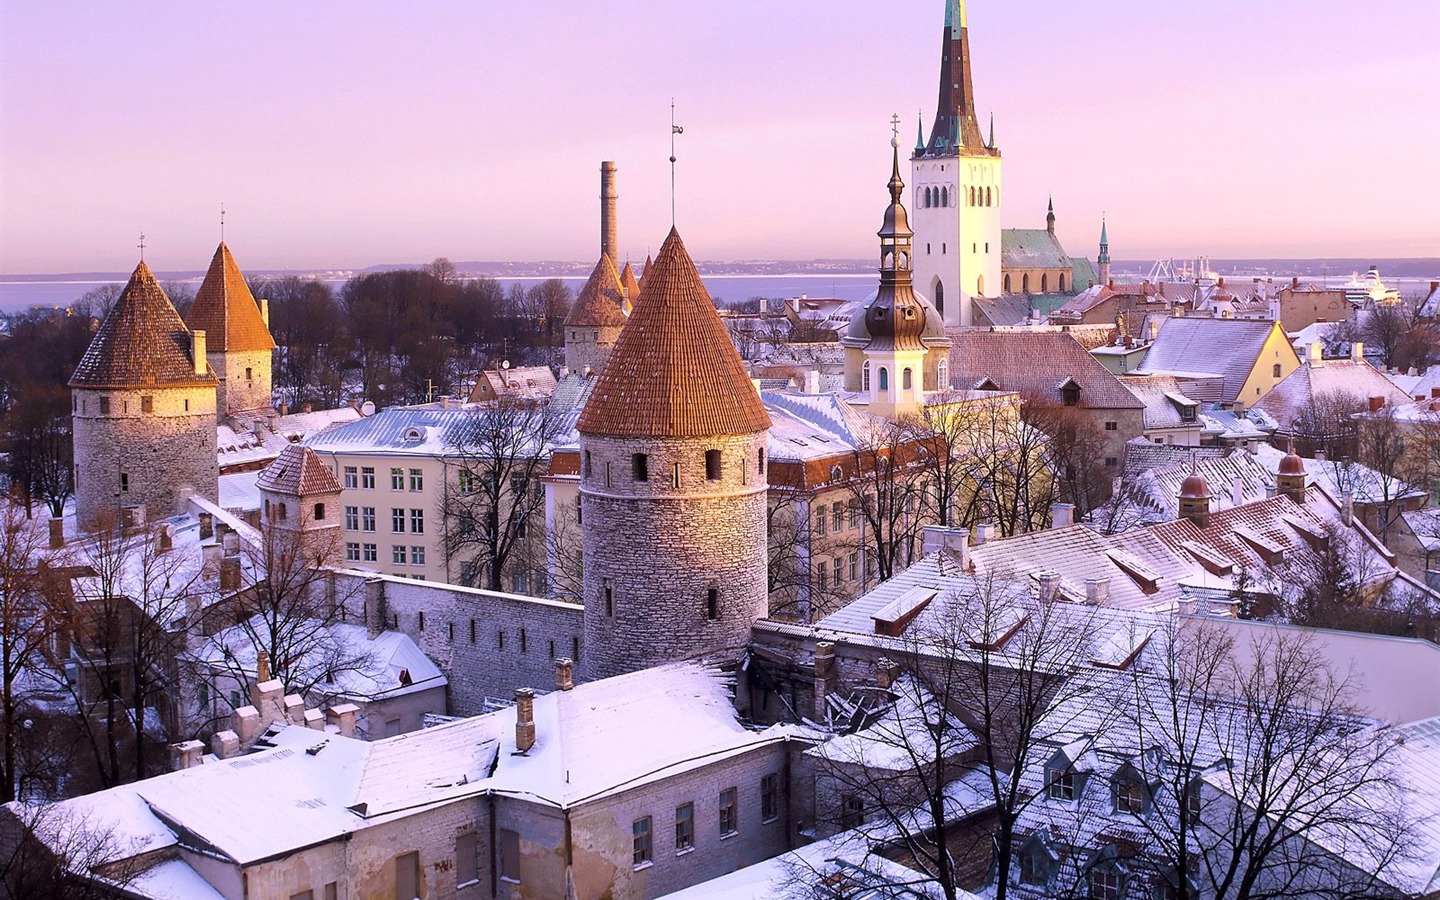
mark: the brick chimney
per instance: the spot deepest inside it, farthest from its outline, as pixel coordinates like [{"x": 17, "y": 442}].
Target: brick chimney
[
  {"x": 1377, "y": 404},
  {"x": 564, "y": 674},
  {"x": 524, "y": 720},
  {"x": 824, "y": 678}
]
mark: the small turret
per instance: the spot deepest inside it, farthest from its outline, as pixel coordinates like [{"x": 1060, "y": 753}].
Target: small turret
[
  {"x": 1291, "y": 478},
  {"x": 1195, "y": 496},
  {"x": 1050, "y": 218},
  {"x": 1104, "y": 260}
]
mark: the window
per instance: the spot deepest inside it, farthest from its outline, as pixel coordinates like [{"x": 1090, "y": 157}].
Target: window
[
  {"x": 1031, "y": 868},
  {"x": 854, "y": 514},
  {"x": 1192, "y": 802},
  {"x": 1111, "y": 462},
  {"x": 760, "y": 462},
  {"x": 1061, "y": 784},
  {"x": 284, "y": 511},
  {"x": 609, "y": 598},
  {"x": 770, "y": 797},
  {"x": 1276, "y": 371},
  {"x": 907, "y": 379},
  {"x": 407, "y": 876},
  {"x": 1129, "y": 796},
  {"x": 318, "y": 512},
  {"x": 712, "y": 465},
  {"x": 147, "y": 403},
  {"x": 467, "y": 858},
  {"x": 837, "y": 516},
  {"x": 820, "y": 522},
  {"x": 352, "y": 518},
  {"x": 104, "y": 406},
  {"x": 1112, "y": 426},
  {"x": 640, "y": 467},
  {"x": 417, "y": 480},
  {"x": 822, "y": 581},
  {"x": 524, "y": 641},
  {"x": 367, "y": 518},
  {"x": 352, "y": 552},
  {"x": 712, "y": 604},
  {"x": 729, "y": 820},
  {"x": 397, "y": 479},
  {"x": 855, "y": 566},
  {"x": 644, "y": 842},
  {"x": 367, "y": 477},
  {"x": 417, "y": 521},
  {"x": 303, "y": 895},
  {"x": 884, "y": 379},
  {"x": 332, "y": 891},
  {"x": 1105, "y": 885},
  {"x": 203, "y": 694},
  {"x": 467, "y": 481},
  {"x": 865, "y": 376},
  {"x": 398, "y": 555},
  {"x": 852, "y": 814},
  {"x": 510, "y": 855},
  {"x": 397, "y": 520},
  {"x": 371, "y": 552},
  {"x": 417, "y": 556},
  {"x": 684, "y": 827},
  {"x": 837, "y": 573},
  {"x": 587, "y": 464}
]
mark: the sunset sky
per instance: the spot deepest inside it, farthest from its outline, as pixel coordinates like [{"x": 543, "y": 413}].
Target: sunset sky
[{"x": 357, "y": 133}]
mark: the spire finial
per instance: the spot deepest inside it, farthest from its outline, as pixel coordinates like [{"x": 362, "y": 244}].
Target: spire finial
[
  {"x": 919, "y": 132},
  {"x": 222, "y": 221},
  {"x": 895, "y": 130},
  {"x": 992, "y": 129},
  {"x": 674, "y": 130},
  {"x": 141, "y": 245}
]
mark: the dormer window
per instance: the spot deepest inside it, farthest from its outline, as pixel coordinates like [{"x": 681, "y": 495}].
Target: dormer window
[
  {"x": 413, "y": 434},
  {"x": 1060, "y": 784},
  {"x": 1070, "y": 393},
  {"x": 1129, "y": 795}
]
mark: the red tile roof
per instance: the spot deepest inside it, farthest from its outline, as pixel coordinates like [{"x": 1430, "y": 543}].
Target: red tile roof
[
  {"x": 1034, "y": 364},
  {"x": 225, "y": 309},
  {"x": 298, "y": 471},
  {"x": 601, "y": 299},
  {"x": 630, "y": 283},
  {"x": 674, "y": 371},
  {"x": 142, "y": 342}
]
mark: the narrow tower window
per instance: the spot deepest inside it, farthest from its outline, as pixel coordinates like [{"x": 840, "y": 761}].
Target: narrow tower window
[
  {"x": 884, "y": 379},
  {"x": 609, "y": 598},
  {"x": 760, "y": 461},
  {"x": 640, "y": 467},
  {"x": 712, "y": 465},
  {"x": 712, "y": 604}
]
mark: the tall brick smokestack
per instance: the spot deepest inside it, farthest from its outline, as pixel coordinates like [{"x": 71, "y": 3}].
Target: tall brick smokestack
[{"x": 609, "y": 220}]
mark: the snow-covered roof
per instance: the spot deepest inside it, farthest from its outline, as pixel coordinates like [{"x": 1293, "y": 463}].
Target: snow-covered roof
[{"x": 247, "y": 439}]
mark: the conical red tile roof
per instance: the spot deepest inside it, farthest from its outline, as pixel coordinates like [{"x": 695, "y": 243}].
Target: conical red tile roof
[
  {"x": 600, "y": 300},
  {"x": 226, "y": 310},
  {"x": 630, "y": 283},
  {"x": 143, "y": 341},
  {"x": 298, "y": 471},
  {"x": 674, "y": 371}
]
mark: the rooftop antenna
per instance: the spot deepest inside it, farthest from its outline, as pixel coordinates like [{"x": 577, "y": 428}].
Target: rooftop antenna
[
  {"x": 222, "y": 221},
  {"x": 141, "y": 245},
  {"x": 674, "y": 130}
]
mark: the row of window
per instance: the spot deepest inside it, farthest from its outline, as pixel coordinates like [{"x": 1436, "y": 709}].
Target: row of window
[
  {"x": 712, "y": 600},
  {"x": 714, "y": 468},
  {"x": 929, "y": 197},
  {"x": 836, "y": 516},
  {"x": 1044, "y": 283},
  {"x": 147, "y": 404},
  {"x": 400, "y": 554},
  {"x": 728, "y": 821},
  {"x": 362, "y": 518},
  {"x": 363, "y": 477},
  {"x": 837, "y": 569}
]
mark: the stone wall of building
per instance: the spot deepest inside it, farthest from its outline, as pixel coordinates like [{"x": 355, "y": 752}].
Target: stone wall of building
[
  {"x": 661, "y": 545},
  {"x": 244, "y": 380},
  {"x": 127, "y": 455},
  {"x": 487, "y": 643},
  {"x": 587, "y": 347}
]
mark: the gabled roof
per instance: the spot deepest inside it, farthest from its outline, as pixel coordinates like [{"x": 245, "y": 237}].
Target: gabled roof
[
  {"x": 1010, "y": 309},
  {"x": 1226, "y": 347},
  {"x": 602, "y": 299},
  {"x": 630, "y": 283},
  {"x": 1335, "y": 377},
  {"x": 1032, "y": 248},
  {"x": 674, "y": 371},
  {"x": 1164, "y": 399},
  {"x": 299, "y": 472},
  {"x": 143, "y": 342},
  {"x": 225, "y": 309},
  {"x": 1034, "y": 364}
]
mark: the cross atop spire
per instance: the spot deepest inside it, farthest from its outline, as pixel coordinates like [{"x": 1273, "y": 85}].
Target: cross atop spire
[{"x": 141, "y": 245}]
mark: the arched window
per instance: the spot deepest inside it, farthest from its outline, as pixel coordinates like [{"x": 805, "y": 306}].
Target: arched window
[
  {"x": 760, "y": 461},
  {"x": 1044, "y": 282},
  {"x": 939, "y": 292},
  {"x": 1025, "y": 283},
  {"x": 1062, "y": 282},
  {"x": 972, "y": 196},
  {"x": 945, "y": 196},
  {"x": 942, "y": 375},
  {"x": 1007, "y": 284},
  {"x": 987, "y": 196},
  {"x": 907, "y": 380},
  {"x": 980, "y": 286},
  {"x": 884, "y": 379},
  {"x": 283, "y": 511},
  {"x": 1277, "y": 370},
  {"x": 865, "y": 376}
]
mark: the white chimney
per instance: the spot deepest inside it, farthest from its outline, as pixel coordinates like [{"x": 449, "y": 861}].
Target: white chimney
[
  {"x": 812, "y": 381},
  {"x": 1097, "y": 591},
  {"x": 1049, "y": 586},
  {"x": 1237, "y": 491},
  {"x": 265, "y": 311},
  {"x": 1062, "y": 515},
  {"x": 1317, "y": 355},
  {"x": 197, "y": 350},
  {"x": 1357, "y": 351}
]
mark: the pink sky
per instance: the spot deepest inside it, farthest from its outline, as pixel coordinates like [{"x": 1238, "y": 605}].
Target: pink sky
[{"x": 350, "y": 134}]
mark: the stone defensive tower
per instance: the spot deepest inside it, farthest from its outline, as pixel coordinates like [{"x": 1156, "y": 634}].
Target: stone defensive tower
[
  {"x": 238, "y": 341},
  {"x": 673, "y": 484},
  {"x": 595, "y": 321},
  {"x": 301, "y": 501},
  {"x": 143, "y": 412}
]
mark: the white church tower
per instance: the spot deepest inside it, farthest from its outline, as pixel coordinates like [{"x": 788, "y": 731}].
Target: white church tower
[{"x": 956, "y": 182}]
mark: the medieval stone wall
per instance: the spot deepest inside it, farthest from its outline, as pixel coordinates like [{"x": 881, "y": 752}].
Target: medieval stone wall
[
  {"x": 237, "y": 391},
  {"x": 588, "y": 347}
]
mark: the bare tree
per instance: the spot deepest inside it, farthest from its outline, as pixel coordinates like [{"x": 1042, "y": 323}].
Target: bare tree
[
  {"x": 887, "y": 479},
  {"x": 50, "y": 852},
  {"x": 27, "y": 632},
  {"x": 1009, "y": 475},
  {"x": 500, "y": 452}
]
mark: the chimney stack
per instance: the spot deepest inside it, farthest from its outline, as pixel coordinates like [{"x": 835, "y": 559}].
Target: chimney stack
[
  {"x": 1049, "y": 586},
  {"x": 186, "y": 755},
  {"x": 1062, "y": 515},
  {"x": 1377, "y": 404},
  {"x": 265, "y": 311},
  {"x": 262, "y": 666},
  {"x": 1357, "y": 351},
  {"x": 564, "y": 674},
  {"x": 1097, "y": 591},
  {"x": 824, "y": 679},
  {"x": 1317, "y": 355},
  {"x": 1347, "y": 508},
  {"x": 609, "y": 220},
  {"x": 197, "y": 350},
  {"x": 524, "y": 719}
]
